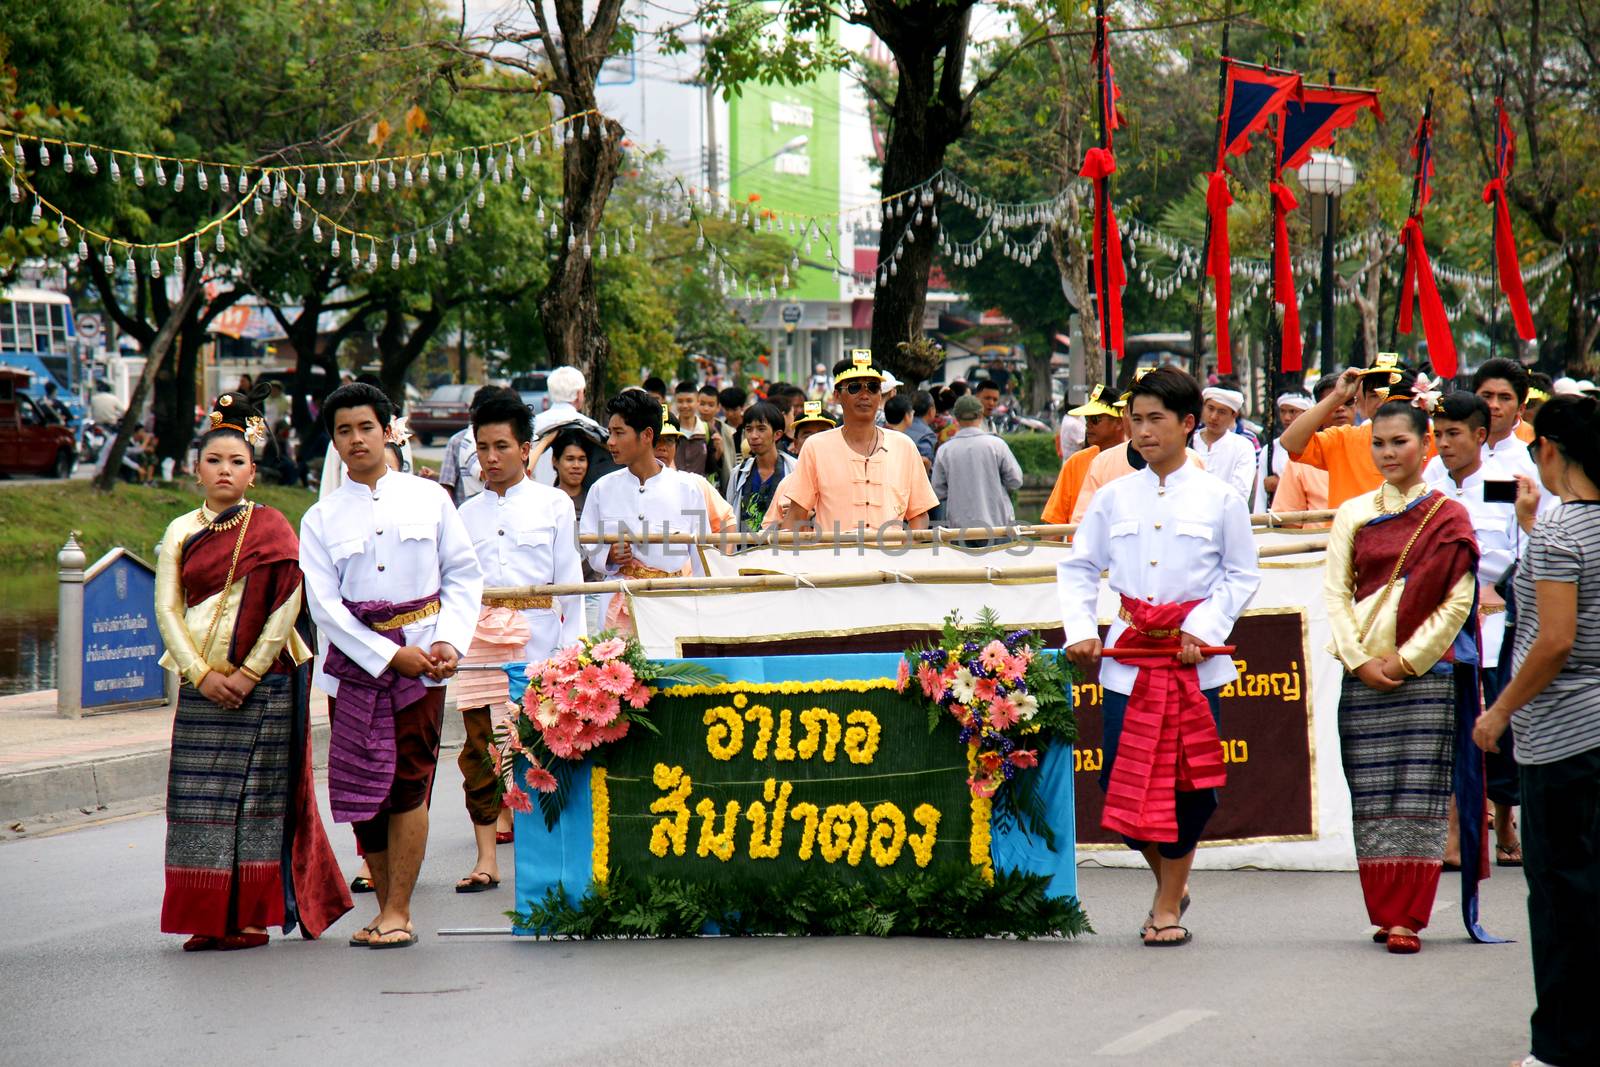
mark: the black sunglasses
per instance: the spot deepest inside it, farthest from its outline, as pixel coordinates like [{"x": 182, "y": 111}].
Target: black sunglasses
[{"x": 869, "y": 384}]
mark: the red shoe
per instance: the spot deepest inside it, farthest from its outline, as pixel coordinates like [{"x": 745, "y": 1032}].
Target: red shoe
[
  {"x": 504, "y": 837},
  {"x": 233, "y": 942},
  {"x": 201, "y": 943},
  {"x": 1405, "y": 944}
]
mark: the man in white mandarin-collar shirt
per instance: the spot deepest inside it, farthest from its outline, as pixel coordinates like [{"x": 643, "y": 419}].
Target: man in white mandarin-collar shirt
[
  {"x": 1168, "y": 536},
  {"x": 393, "y": 585},
  {"x": 525, "y": 534}
]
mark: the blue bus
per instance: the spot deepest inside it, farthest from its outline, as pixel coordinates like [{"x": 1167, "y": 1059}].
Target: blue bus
[{"x": 38, "y": 335}]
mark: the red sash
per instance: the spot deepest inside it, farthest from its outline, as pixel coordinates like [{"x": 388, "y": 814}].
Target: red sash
[{"x": 1169, "y": 739}]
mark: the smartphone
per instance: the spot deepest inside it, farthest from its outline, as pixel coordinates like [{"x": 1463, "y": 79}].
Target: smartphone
[{"x": 1500, "y": 492}]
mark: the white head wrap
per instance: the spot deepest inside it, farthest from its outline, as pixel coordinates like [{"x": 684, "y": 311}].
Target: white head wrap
[
  {"x": 1298, "y": 401},
  {"x": 1567, "y": 387},
  {"x": 1230, "y": 398}
]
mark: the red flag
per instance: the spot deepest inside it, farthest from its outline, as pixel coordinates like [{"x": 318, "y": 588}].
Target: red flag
[
  {"x": 1219, "y": 267},
  {"x": 1418, "y": 280},
  {"x": 1320, "y": 111},
  {"x": 1251, "y": 95},
  {"x": 1098, "y": 165},
  {"x": 1108, "y": 76},
  {"x": 1507, "y": 264},
  {"x": 1283, "y": 288}
]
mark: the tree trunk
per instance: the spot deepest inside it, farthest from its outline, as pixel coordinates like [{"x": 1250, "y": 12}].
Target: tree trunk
[
  {"x": 929, "y": 114},
  {"x": 155, "y": 358},
  {"x": 569, "y": 303},
  {"x": 1581, "y": 264}
]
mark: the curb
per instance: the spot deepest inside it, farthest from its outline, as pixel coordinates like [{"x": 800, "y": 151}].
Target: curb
[{"x": 118, "y": 777}]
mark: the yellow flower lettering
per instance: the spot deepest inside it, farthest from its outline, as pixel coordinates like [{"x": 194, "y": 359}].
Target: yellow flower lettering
[
  {"x": 861, "y": 739},
  {"x": 712, "y": 843},
  {"x": 888, "y": 834},
  {"x": 808, "y": 812},
  {"x": 765, "y": 845},
  {"x": 784, "y": 751},
  {"x": 927, "y": 817},
  {"x": 762, "y": 714},
  {"x": 675, "y": 830},
  {"x": 726, "y": 735},
  {"x": 844, "y": 828},
  {"x": 601, "y": 802},
  {"x": 812, "y": 719}
]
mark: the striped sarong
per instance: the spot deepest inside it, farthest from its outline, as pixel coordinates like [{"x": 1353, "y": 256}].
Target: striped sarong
[
  {"x": 1398, "y": 754},
  {"x": 227, "y": 796}
]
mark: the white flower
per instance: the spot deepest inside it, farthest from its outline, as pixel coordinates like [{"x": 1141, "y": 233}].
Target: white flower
[
  {"x": 1027, "y": 706},
  {"x": 547, "y": 714},
  {"x": 961, "y": 685}
]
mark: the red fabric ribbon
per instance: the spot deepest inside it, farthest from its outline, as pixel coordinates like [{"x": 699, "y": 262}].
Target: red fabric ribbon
[
  {"x": 1418, "y": 280},
  {"x": 1218, "y": 262},
  {"x": 1169, "y": 739},
  {"x": 1505, "y": 254},
  {"x": 1283, "y": 287},
  {"x": 1098, "y": 165}
]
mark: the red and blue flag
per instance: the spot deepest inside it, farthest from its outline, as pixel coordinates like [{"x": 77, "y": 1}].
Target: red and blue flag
[
  {"x": 1252, "y": 95},
  {"x": 1311, "y": 119}
]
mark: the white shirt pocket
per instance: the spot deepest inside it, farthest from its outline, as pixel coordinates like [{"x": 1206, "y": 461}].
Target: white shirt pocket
[
  {"x": 1201, "y": 530},
  {"x": 418, "y": 531},
  {"x": 1125, "y": 528},
  {"x": 343, "y": 550}
]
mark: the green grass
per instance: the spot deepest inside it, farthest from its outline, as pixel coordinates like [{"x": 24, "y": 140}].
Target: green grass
[
  {"x": 1036, "y": 453},
  {"x": 35, "y": 517}
]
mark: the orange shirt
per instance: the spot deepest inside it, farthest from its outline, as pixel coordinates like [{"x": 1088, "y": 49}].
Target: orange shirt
[
  {"x": 1058, "y": 509},
  {"x": 1345, "y": 452},
  {"x": 1108, "y": 466},
  {"x": 1523, "y": 431},
  {"x": 839, "y": 485},
  {"x": 1301, "y": 487}
]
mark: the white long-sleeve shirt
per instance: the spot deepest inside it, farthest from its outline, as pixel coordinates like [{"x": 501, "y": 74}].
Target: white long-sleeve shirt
[
  {"x": 1232, "y": 458},
  {"x": 529, "y": 536},
  {"x": 1187, "y": 539},
  {"x": 398, "y": 541},
  {"x": 666, "y": 502},
  {"x": 1499, "y": 539},
  {"x": 1513, "y": 458}
]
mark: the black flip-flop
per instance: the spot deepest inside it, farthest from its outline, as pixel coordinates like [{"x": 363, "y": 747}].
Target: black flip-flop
[
  {"x": 474, "y": 886},
  {"x": 1183, "y": 907},
  {"x": 411, "y": 939},
  {"x": 356, "y": 942},
  {"x": 361, "y": 884},
  {"x": 1184, "y": 940},
  {"x": 1451, "y": 866},
  {"x": 1509, "y": 860}
]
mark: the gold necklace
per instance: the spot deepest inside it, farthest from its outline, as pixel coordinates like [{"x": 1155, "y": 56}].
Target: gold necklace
[{"x": 213, "y": 524}]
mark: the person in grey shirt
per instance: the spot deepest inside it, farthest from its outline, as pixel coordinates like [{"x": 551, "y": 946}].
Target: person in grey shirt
[
  {"x": 921, "y": 430},
  {"x": 1553, "y": 704},
  {"x": 974, "y": 472}
]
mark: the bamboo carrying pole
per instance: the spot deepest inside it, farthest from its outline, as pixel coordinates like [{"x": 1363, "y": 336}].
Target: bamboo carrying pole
[
  {"x": 755, "y": 583},
  {"x": 898, "y": 536}
]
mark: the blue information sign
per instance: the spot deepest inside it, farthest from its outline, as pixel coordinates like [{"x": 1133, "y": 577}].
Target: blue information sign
[{"x": 122, "y": 645}]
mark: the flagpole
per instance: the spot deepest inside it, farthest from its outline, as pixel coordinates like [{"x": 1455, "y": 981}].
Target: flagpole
[
  {"x": 1494, "y": 225},
  {"x": 1103, "y": 271},
  {"x": 1205, "y": 245},
  {"x": 1416, "y": 195}
]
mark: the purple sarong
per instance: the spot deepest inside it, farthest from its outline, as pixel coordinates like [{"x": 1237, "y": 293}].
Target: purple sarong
[{"x": 361, "y": 753}]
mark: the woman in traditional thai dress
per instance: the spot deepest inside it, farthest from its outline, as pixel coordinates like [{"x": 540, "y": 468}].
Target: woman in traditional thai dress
[
  {"x": 245, "y": 846},
  {"x": 1400, "y": 590}
]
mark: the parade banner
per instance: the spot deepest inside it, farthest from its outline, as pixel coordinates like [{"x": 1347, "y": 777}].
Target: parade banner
[
  {"x": 1252, "y": 827},
  {"x": 792, "y": 767}
]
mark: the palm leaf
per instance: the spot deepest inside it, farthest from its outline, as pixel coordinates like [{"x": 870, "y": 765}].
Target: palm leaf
[{"x": 683, "y": 672}]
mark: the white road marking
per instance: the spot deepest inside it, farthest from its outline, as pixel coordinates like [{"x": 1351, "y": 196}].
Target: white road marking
[{"x": 1159, "y": 1030}]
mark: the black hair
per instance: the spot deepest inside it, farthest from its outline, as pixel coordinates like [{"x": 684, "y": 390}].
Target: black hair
[
  {"x": 711, "y": 391},
  {"x": 484, "y": 393},
  {"x": 653, "y": 384},
  {"x": 235, "y": 410},
  {"x": 1404, "y": 409},
  {"x": 958, "y": 389},
  {"x": 762, "y": 411},
  {"x": 1508, "y": 370},
  {"x": 921, "y": 403},
  {"x": 987, "y": 383},
  {"x": 638, "y": 411},
  {"x": 1173, "y": 388},
  {"x": 895, "y": 409},
  {"x": 1540, "y": 380},
  {"x": 843, "y": 365},
  {"x": 366, "y": 377},
  {"x": 503, "y": 406},
  {"x": 399, "y": 454},
  {"x": 567, "y": 438},
  {"x": 945, "y": 400},
  {"x": 1324, "y": 386},
  {"x": 685, "y": 386},
  {"x": 1572, "y": 424},
  {"x": 357, "y": 395},
  {"x": 1462, "y": 406},
  {"x": 732, "y": 397}
]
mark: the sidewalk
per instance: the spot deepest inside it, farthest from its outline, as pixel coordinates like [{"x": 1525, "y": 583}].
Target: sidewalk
[{"x": 50, "y": 765}]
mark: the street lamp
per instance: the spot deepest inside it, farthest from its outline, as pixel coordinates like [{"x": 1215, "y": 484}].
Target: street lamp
[{"x": 1327, "y": 177}]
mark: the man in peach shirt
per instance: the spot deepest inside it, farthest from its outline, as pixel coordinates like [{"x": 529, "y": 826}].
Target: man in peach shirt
[
  {"x": 858, "y": 475},
  {"x": 1102, "y": 428},
  {"x": 1345, "y": 452}
]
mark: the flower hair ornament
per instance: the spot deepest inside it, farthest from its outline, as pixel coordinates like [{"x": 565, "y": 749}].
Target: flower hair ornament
[
  {"x": 1426, "y": 395},
  {"x": 255, "y": 431},
  {"x": 398, "y": 432}
]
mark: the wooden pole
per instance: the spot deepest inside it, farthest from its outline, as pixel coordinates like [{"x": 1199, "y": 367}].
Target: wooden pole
[
  {"x": 1205, "y": 244},
  {"x": 755, "y": 583},
  {"x": 1103, "y": 269},
  {"x": 1416, "y": 195}
]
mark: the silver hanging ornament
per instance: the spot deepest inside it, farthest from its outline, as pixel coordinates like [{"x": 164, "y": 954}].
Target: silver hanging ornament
[
  {"x": 177, "y": 180},
  {"x": 155, "y": 266},
  {"x": 316, "y": 230},
  {"x": 221, "y": 243},
  {"x": 527, "y": 194},
  {"x": 89, "y": 162},
  {"x": 449, "y": 232},
  {"x": 433, "y": 245},
  {"x": 361, "y": 180},
  {"x": 394, "y": 256},
  {"x": 411, "y": 254},
  {"x": 244, "y": 227},
  {"x": 116, "y": 171},
  {"x": 391, "y": 178},
  {"x": 138, "y": 176},
  {"x": 333, "y": 247},
  {"x": 199, "y": 256},
  {"x": 322, "y": 183},
  {"x": 338, "y": 181},
  {"x": 108, "y": 263}
]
